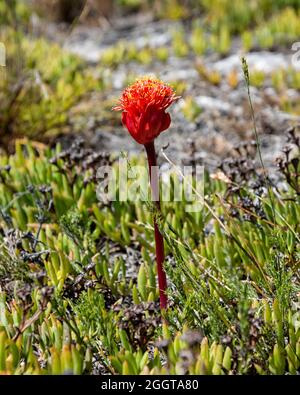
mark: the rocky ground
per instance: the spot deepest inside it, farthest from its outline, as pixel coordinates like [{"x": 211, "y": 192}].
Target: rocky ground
[{"x": 225, "y": 118}]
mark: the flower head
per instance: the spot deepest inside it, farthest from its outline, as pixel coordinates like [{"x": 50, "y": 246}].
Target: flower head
[{"x": 144, "y": 107}]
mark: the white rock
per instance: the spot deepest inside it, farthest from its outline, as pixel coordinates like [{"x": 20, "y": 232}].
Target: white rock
[
  {"x": 87, "y": 49},
  {"x": 262, "y": 61},
  {"x": 181, "y": 74}
]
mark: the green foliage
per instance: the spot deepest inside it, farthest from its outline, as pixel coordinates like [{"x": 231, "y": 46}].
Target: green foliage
[
  {"x": 14, "y": 11},
  {"x": 179, "y": 45},
  {"x": 75, "y": 300},
  {"x": 190, "y": 109},
  {"x": 239, "y": 15},
  {"x": 257, "y": 78},
  {"x": 198, "y": 39},
  {"x": 77, "y": 275},
  {"x": 260, "y": 24},
  {"x": 42, "y": 85},
  {"x": 281, "y": 29}
]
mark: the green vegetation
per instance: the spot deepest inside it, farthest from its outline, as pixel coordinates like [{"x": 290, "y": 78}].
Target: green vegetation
[
  {"x": 42, "y": 84},
  {"x": 273, "y": 23},
  {"x": 78, "y": 288},
  {"x": 69, "y": 303},
  {"x": 14, "y": 11}
]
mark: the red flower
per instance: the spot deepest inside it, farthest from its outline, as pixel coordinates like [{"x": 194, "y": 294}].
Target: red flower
[{"x": 143, "y": 105}]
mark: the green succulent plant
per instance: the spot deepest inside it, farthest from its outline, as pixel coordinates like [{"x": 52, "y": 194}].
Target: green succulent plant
[{"x": 67, "y": 257}]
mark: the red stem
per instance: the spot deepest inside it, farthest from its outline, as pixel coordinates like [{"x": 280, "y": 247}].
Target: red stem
[{"x": 159, "y": 241}]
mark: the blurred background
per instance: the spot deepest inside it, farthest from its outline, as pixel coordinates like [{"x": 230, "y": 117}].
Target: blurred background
[{"x": 67, "y": 62}]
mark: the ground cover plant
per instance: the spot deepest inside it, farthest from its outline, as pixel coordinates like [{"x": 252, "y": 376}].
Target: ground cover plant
[
  {"x": 77, "y": 296},
  {"x": 79, "y": 290}
]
